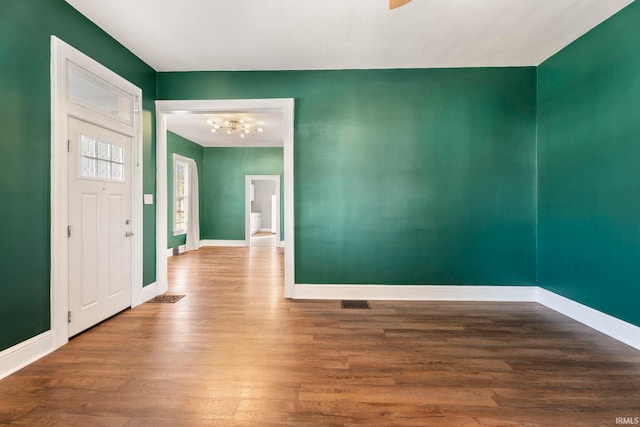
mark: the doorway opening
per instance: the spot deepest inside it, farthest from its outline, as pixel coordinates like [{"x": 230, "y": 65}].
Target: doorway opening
[
  {"x": 262, "y": 210},
  {"x": 168, "y": 109}
]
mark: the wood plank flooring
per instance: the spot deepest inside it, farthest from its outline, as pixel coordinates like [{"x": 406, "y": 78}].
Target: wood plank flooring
[{"x": 234, "y": 352}]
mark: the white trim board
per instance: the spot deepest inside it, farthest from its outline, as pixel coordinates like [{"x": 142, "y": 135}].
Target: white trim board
[
  {"x": 20, "y": 355},
  {"x": 602, "y": 322},
  {"x": 149, "y": 291},
  {"x": 181, "y": 249},
  {"x": 203, "y": 243},
  {"x": 61, "y": 109},
  {"x": 417, "y": 292},
  {"x": 213, "y": 242},
  {"x": 233, "y": 243},
  {"x": 165, "y": 108},
  {"x": 615, "y": 328}
]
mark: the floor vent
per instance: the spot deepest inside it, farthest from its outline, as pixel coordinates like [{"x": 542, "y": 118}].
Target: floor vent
[
  {"x": 355, "y": 304},
  {"x": 167, "y": 298}
]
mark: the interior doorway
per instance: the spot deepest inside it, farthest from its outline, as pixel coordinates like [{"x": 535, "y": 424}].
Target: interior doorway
[
  {"x": 262, "y": 210},
  {"x": 164, "y": 110}
]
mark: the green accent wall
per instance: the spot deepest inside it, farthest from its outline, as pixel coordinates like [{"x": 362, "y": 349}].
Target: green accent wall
[
  {"x": 186, "y": 148},
  {"x": 25, "y": 187},
  {"x": 589, "y": 178},
  {"x": 222, "y": 211},
  {"x": 430, "y": 176},
  {"x": 401, "y": 176}
]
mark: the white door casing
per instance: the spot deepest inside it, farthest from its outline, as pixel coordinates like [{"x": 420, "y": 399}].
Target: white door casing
[
  {"x": 73, "y": 75},
  {"x": 275, "y": 207},
  {"x": 100, "y": 234},
  {"x": 166, "y": 108}
]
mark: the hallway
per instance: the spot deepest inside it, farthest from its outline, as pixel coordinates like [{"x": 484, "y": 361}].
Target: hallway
[{"x": 234, "y": 352}]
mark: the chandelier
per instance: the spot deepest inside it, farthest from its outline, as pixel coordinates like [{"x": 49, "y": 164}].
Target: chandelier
[{"x": 233, "y": 126}]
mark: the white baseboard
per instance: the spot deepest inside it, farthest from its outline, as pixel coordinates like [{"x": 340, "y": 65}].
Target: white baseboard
[
  {"x": 181, "y": 249},
  {"x": 149, "y": 291},
  {"x": 234, "y": 243},
  {"x": 223, "y": 243},
  {"x": 417, "y": 292},
  {"x": 22, "y": 354},
  {"x": 265, "y": 229},
  {"x": 608, "y": 325}
]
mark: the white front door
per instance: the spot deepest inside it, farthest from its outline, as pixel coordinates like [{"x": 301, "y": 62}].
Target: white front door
[{"x": 100, "y": 244}]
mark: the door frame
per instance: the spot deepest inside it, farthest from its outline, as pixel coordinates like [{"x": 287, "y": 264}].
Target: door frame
[
  {"x": 165, "y": 108},
  {"x": 61, "y": 110},
  {"x": 247, "y": 205}
]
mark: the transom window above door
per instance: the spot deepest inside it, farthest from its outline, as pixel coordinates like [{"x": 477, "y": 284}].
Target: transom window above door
[{"x": 92, "y": 92}]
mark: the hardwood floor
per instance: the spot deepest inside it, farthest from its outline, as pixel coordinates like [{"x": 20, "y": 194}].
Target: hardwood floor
[{"x": 234, "y": 352}]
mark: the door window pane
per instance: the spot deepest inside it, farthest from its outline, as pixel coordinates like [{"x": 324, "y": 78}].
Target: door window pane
[
  {"x": 88, "y": 146},
  {"x": 88, "y": 168},
  {"x": 101, "y": 160},
  {"x": 104, "y": 170},
  {"x": 117, "y": 172},
  {"x": 104, "y": 150}
]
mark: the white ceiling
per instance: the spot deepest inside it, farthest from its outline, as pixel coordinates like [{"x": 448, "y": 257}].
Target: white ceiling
[
  {"x": 194, "y": 127},
  {"x": 188, "y": 35},
  {"x": 191, "y": 35}
]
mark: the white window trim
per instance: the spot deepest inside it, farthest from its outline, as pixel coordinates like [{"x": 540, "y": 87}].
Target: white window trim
[{"x": 178, "y": 158}]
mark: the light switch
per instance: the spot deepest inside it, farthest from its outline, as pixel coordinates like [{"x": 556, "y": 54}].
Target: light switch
[{"x": 148, "y": 199}]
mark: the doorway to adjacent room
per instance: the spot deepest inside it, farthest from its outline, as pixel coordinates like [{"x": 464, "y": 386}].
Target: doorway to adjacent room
[{"x": 262, "y": 210}]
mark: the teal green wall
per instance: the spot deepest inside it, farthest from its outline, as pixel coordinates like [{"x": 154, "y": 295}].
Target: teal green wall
[
  {"x": 589, "y": 173},
  {"x": 25, "y": 187},
  {"x": 182, "y": 146},
  {"x": 221, "y": 174},
  {"x": 401, "y": 176},
  {"x": 222, "y": 211}
]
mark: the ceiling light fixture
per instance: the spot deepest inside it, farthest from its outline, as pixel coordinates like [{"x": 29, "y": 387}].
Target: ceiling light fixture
[
  {"x": 233, "y": 126},
  {"x": 394, "y": 4}
]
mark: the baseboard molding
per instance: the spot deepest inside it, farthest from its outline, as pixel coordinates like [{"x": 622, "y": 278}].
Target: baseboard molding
[
  {"x": 20, "y": 355},
  {"x": 417, "y": 292},
  {"x": 232, "y": 243},
  {"x": 608, "y": 325},
  {"x": 181, "y": 249},
  {"x": 27, "y": 352},
  {"x": 149, "y": 291},
  {"x": 223, "y": 243},
  {"x": 265, "y": 229}
]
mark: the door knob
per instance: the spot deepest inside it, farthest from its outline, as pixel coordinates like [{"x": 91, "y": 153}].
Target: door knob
[{"x": 128, "y": 234}]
